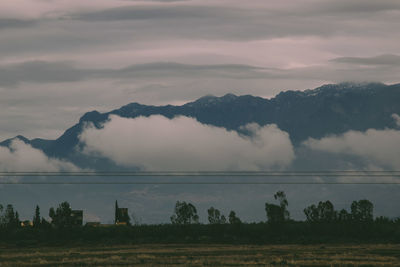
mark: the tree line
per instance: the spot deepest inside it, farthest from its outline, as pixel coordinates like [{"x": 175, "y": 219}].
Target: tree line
[
  {"x": 186, "y": 213},
  {"x": 323, "y": 223},
  {"x": 324, "y": 212}
]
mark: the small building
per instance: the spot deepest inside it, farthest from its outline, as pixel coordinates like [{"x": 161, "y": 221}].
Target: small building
[
  {"x": 27, "y": 223},
  {"x": 93, "y": 224},
  {"x": 121, "y": 215},
  {"x": 77, "y": 216},
  {"x": 107, "y": 225}
]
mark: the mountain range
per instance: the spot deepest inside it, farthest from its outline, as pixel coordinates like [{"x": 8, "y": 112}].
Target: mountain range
[{"x": 326, "y": 110}]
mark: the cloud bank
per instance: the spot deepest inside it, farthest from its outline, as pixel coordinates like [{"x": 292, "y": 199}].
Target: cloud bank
[
  {"x": 376, "y": 147},
  {"x": 182, "y": 143},
  {"x": 385, "y": 59},
  {"x": 396, "y": 118},
  {"x": 23, "y": 157}
]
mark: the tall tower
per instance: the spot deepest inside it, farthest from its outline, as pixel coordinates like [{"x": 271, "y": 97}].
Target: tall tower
[{"x": 116, "y": 218}]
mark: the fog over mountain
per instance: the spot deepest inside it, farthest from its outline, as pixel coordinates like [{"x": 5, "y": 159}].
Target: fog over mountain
[
  {"x": 348, "y": 126},
  {"x": 325, "y": 119}
]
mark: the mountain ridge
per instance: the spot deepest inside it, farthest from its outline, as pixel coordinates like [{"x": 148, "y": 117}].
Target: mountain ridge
[{"x": 325, "y": 110}]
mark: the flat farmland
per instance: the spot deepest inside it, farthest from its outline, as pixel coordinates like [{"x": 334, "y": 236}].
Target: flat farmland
[{"x": 203, "y": 255}]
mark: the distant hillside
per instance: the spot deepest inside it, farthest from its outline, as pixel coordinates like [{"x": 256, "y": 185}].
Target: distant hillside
[{"x": 329, "y": 109}]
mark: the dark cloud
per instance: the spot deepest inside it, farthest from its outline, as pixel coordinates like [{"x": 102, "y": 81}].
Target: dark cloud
[
  {"x": 214, "y": 22},
  {"x": 56, "y": 37},
  {"x": 146, "y": 13},
  {"x": 55, "y": 72},
  {"x": 287, "y": 12},
  {"x": 40, "y": 72},
  {"x": 239, "y": 23},
  {"x": 87, "y": 31},
  {"x": 161, "y": 1},
  {"x": 15, "y": 23},
  {"x": 386, "y": 59},
  {"x": 187, "y": 70},
  {"x": 355, "y": 6}
]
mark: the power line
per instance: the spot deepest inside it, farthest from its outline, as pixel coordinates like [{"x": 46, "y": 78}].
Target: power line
[
  {"x": 208, "y": 174},
  {"x": 198, "y": 183},
  {"x": 199, "y": 174}
]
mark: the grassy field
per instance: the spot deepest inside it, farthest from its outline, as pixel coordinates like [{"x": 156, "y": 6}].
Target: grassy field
[{"x": 204, "y": 255}]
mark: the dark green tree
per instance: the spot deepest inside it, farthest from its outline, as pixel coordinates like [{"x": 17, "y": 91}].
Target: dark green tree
[
  {"x": 343, "y": 216},
  {"x": 215, "y": 216},
  {"x": 36, "y": 218},
  {"x": 277, "y": 214},
  {"x": 45, "y": 224},
  {"x": 383, "y": 220},
  {"x": 16, "y": 220},
  {"x": 136, "y": 220},
  {"x": 324, "y": 212},
  {"x": 61, "y": 217},
  {"x": 11, "y": 218},
  {"x": 362, "y": 211},
  {"x": 184, "y": 213},
  {"x": 233, "y": 219},
  {"x": 1, "y": 215}
]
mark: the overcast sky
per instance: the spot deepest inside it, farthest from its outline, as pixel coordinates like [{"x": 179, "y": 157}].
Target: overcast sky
[{"x": 61, "y": 58}]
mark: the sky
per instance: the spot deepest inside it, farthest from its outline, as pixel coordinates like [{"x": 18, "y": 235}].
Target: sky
[{"x": 61, "y": 58}]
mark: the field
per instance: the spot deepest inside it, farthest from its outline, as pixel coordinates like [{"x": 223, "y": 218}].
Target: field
[{"x": 204, "y": 255}]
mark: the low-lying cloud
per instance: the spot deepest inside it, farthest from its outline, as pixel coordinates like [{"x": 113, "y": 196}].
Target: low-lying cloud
[
  {"x": 182, "y": 143},
  {"x": 23, "y": 157},
  {"x": 385, "y": 59},
  {"x": 396, "y": 119},
  {"x": 376, "y": 147}
]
